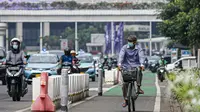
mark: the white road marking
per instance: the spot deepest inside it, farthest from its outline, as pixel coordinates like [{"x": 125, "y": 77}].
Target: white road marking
[{"x": 157, "y": 100}]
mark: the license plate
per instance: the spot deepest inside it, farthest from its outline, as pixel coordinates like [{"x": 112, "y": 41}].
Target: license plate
[
  {"x": 37, "y": 75},
  {"x": 82, "y": 73},
  {"x": 162, "y": 70}
]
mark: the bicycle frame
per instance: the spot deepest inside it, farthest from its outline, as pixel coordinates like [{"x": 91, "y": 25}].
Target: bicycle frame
[{"x": 132, "y": 93}]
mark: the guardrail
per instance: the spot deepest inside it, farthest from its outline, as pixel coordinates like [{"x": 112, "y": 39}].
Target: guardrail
[
  {"x": 78, "y": 88},
  {"x": 111, "y": 76}
]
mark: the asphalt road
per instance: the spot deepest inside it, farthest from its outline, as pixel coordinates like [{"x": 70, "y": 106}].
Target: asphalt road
[
  {"x": 7, "y": 105},
  {"x": 111, "y": 101}
]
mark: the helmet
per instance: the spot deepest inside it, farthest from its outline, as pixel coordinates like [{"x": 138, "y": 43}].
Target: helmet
[
  {"x": 14, "y": 40},
  {"x": 162, "y": 57},
  {"x": 105, "y": 57},
  {"x": 73, "y": 52},
  {"x": 15, "y": 44},
  {"x": 67, "y": 51}
]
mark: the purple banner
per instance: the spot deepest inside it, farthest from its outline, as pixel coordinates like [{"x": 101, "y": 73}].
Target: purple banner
[
  {"x": 119, "y": 38},
  {"x": 108, "y": 39}
]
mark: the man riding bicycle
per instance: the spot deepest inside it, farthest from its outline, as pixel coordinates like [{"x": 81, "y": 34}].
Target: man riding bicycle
[{"x": 131, "y": 55}]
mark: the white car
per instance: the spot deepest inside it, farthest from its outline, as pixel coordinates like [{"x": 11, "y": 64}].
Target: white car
[{"x": 184, "y": 62}]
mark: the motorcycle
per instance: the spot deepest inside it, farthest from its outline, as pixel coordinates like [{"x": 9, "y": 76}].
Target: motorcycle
[
  {"x": 17, "y": 87},
  {"x": 153, "y": 67},
  {"x": 114, "y": 63},
  {"x": 161, "y": 74},
  {"x": 68, "y": 66}
]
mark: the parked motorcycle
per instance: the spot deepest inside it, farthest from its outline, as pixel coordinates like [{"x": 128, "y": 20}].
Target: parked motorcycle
[
  {"x": 17, "y": 87},
  {"x": 161, "y": 74}
]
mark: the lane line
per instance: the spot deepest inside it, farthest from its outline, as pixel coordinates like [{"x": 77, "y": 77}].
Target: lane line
[
  {"x": 157, "y": 99},
  {"x": 75, "y": 104},
  {"x": 89, "y": 98}
]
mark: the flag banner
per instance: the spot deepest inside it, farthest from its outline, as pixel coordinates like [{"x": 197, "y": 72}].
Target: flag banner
[{"x": 108, "y": 39}]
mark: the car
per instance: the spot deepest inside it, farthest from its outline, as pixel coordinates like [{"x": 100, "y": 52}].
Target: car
[
  {"x": 2, "y": 68},
  {"x": 59, "y": 53},
  {"x": 183, "y": 63},
  {"x": 87, "y": 65},
  {"x": 39, "y": 63}
]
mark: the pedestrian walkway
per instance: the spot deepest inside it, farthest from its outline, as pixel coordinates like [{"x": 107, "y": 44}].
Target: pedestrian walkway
[{"x": 112, "y": 99}]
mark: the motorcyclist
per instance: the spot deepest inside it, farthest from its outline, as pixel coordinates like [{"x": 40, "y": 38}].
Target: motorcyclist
[
  {"x": 131, "y": 55},
  {"x": 16, "y": 56},
  {"x": 67, "y": 57},
  {"x": 75, "y": 61},
  {"x": 162, "y": 63},
  {"x": 107, "y": 62}
]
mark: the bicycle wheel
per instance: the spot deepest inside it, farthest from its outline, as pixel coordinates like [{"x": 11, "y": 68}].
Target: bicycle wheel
[
  {"x": 129, "y": 97},
  {"x": 133, "y": 103},
  {"x": 129, "y": 104}
]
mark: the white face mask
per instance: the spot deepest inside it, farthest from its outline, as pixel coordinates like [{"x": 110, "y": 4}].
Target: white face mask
[{"x": 15, "y": 46}]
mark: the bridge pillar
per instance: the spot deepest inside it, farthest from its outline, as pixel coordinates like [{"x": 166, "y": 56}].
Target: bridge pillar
[
  {"x": 3, "y": 28},
  {"x": 19, "y": 30},
  {"x": 46, "y": 28}
]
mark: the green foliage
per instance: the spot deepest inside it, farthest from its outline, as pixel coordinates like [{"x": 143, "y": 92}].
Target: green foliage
[
  {"x": 72, "y": 5},
  {"x": 186, "y": 88},
  {"x": 51, "y": 40},
  {"x": 181, "y": 21},
  {"x": 84, "y": 33}
]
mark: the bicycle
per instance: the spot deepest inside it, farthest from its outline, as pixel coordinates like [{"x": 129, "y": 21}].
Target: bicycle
[{"x": 131, "y": 77}]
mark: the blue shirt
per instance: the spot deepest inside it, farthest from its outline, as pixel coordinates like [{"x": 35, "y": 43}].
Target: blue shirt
[
  {"x": 131, "y": 57},
  {"x": 66, "y": 58}
]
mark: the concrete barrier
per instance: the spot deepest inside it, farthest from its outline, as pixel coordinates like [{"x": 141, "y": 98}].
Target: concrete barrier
[
  {"x": 111, "y": 76},
  {"x": 78, "y": 88}
]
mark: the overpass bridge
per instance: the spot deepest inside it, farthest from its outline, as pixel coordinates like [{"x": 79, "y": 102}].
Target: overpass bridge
[{"x": 46, "y": 17}]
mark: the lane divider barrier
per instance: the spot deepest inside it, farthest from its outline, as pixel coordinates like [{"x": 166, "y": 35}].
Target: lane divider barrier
[
  {"x": 111, "y": 76},
  {"x": 43, "y": 102},
  {"x": 78, "y": 88}
]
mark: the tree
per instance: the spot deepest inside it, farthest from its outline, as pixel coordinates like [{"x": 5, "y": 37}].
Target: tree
[
  {"x": 181, "y": 21},
  {"x": 84, "y": 33}
]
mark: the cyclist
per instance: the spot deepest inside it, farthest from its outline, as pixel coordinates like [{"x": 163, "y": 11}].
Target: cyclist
[
  {"x": 131, "y": 55},
  {"x": 67, "y": 57}
]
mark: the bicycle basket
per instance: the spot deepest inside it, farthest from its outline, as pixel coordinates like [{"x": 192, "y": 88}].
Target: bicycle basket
[{"x": 130, "y": 75}]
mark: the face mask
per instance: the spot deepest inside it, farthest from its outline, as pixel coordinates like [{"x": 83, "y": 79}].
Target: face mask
[
  {"x": 130, "y": 44},
  {"x": 15, "y": 46}
]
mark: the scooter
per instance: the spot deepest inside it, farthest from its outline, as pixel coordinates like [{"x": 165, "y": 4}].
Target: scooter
[
  {"x": 161, "y": 74},
  {"x": 114, "y": 63},
  {"x": 17, "y": 87}
]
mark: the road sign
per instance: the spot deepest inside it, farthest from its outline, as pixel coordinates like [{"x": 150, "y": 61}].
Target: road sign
[
  {"x": 174, "y": 54},
  {"x": 185, "y": 53},
  {"x": 64, "y": 44}
]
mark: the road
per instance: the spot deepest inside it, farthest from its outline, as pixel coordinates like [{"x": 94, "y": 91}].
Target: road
[
  {"x": 111, "y": 101},
  {"x": 7, "y": 105}
]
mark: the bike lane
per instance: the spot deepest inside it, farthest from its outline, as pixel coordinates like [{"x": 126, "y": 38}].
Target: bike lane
[{"x": 112, "y": 99}]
